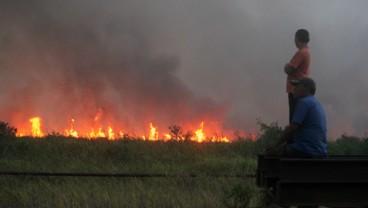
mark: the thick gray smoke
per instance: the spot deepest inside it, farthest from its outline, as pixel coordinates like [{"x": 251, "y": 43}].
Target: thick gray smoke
[
  {"x": 67, "y": 59},
  {"x": 179, "y": 61}
]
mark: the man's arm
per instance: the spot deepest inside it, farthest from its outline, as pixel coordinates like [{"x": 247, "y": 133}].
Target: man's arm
[
  {"x": 286, "y": 135},
  {"x": 289, "y": 70}
]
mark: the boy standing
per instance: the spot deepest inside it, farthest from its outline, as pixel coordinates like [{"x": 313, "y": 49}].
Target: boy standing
[{"x": 298, "y": 66}]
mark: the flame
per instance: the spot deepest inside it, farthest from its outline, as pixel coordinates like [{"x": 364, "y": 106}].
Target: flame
[
  {"x": 199, "y": 135},
  {"x": 122, "y": 134},
  {"x": 71, "y": 132},
  {"x": 99, "y": 115},
  {"x": 153, "y": 136},
  {"x": 220, "y": 139},
  {"x": 36, "y": 127},
  {"x": 97, "y": 134},
  {"x": 167, "y": 137},
  {"x": 110, "y": 132}
]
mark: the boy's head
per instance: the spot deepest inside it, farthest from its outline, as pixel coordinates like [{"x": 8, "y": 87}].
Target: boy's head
[{"x": 302, "y": 35}]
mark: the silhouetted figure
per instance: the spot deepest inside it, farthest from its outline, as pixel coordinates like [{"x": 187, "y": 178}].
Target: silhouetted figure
[
  {"x": 298, "y": 66},
  {"x": 306, "y": 134}
]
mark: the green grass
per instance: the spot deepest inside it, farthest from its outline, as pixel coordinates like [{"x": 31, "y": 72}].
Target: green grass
[
  {"x": 117, "y": 192},
  {"x": 60, "y": 154}
]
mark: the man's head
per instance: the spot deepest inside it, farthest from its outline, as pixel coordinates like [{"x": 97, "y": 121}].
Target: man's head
[
  {"x": 303, "y": 87},
  {"x": 302, "y": 35}
]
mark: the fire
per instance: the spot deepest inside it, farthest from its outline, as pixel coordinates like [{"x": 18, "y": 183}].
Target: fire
[
  {"x": 121, "y": 134},
  {"x": 153, "y": 133},
  {"x": 71, "y": 132},
  {"x": 99, "y": 115},
  {"x": 199, "y": 135},
  {"x": 97, "y": 134},
  {"x": 36, "y": 127},
  {"x": 110, "y": 132},
  {"x": 220, "y": 139},
  {"x": 167, "y": 137},
  {"x": 97, "y": 130}
]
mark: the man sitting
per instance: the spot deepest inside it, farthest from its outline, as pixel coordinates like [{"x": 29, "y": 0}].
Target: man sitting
[{"x": 306, "y": 134}]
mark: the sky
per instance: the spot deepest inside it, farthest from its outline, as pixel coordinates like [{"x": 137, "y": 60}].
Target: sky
[{"x": 169, "y": 60}]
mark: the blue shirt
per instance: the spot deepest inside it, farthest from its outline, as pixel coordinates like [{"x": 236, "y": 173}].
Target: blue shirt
[{"x": 310, "y": 137}]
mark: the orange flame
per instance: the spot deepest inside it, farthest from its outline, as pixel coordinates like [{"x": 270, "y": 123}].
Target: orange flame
[
  {"x": 99, "y": 114},
  {"x": 97, "y": 134},
  {"x": 199, "y": 135},
  {"x": 36, "y": 127},
  {"x": 153, "y": 136},
  {"x": 71, "y": 132},
  {"x": 167, "y": 137},
  {"x": 97, "y": 131},
  {"x": 121, "y": 134},
  {"x": 111, "y": 133},
  {"x": 220, "y": 139}
]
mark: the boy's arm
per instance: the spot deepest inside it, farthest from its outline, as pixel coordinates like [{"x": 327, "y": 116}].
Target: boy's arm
[{"x": 289, "y": 70}]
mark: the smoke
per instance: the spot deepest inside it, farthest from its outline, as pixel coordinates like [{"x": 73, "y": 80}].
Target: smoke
[
  {"x": 177, "y": 62},
  {"x": 63, "y": 60}
]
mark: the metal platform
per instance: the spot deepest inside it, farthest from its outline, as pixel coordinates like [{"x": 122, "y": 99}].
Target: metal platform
[{"x": 334, "y": 181}]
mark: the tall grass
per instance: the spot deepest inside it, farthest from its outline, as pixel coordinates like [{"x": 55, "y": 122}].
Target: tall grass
[
  {"x": 61, "y": 154},
  {"x": 120, "y": 192}
]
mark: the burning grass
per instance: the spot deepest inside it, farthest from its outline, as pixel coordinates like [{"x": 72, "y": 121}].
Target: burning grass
[{"x": 175, "y": 132}]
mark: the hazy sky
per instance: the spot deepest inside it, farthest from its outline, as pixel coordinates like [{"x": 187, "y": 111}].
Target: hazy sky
[{"x": 221, "y": 59}]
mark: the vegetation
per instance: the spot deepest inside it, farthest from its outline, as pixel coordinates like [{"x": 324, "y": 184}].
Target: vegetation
[
  {"x": 349, "y": 145},
  {"x": 7, "y": 131},
  {"x": 61, "y": 154},
  {"x": 56, "y": 153}
]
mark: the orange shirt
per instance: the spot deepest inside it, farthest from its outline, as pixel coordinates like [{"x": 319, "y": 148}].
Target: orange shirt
[{"x": 301, "y": 62}]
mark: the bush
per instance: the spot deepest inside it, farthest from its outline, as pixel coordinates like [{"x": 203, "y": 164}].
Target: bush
[
  {"x": 268, "y": 134},
  {"x": 348, "y": 145},
  {"x": 7, "y": 131}
]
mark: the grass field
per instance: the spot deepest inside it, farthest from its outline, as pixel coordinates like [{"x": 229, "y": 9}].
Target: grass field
[
  {"x": 60, "y": 154},
  {"x": 56, "y": 154}
]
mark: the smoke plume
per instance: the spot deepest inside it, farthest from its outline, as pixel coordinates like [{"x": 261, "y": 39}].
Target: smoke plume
[{"x": 177, "y": 62}]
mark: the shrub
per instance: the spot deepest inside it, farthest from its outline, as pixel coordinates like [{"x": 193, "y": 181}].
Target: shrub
[
  {"x": 7, "y": 131},
  {"x": 268, "y": 134},
  {"x": 348, "y": 145}
]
